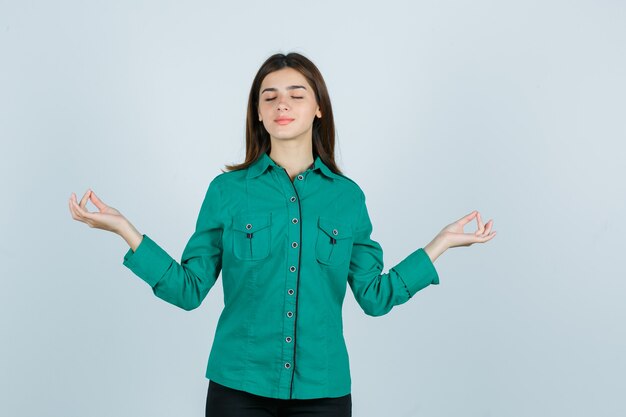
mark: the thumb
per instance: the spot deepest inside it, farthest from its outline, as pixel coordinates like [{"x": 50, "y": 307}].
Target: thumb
[
  {"x": 98, "y": 203},
  {"x": 466, "y": 219}
]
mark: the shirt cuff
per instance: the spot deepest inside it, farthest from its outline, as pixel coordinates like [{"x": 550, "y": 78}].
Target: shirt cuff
[
  {"x": 417, "y": 271},
  {"x": 149, "y": 261}
]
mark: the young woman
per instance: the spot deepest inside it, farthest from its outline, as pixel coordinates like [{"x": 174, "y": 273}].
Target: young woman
[{"x": 288, "y": 232}]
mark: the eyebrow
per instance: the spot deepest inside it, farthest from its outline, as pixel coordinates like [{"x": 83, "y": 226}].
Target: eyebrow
[{"x": 291, "y": 87}]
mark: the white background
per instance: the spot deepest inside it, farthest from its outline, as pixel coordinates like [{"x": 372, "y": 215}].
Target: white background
[{"x": 515, "y": 109}]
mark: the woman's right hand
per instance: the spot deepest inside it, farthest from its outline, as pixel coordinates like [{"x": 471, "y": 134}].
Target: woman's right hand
[{"x": 108, "y": 218}]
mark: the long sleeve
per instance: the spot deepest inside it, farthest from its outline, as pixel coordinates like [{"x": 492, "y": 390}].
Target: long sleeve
[
  {"x": 187, "y": 283},
  {"x": 376, "y": 292}
]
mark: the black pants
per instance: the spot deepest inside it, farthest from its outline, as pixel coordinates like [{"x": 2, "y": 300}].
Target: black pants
[{"x": 224, "y": 401}]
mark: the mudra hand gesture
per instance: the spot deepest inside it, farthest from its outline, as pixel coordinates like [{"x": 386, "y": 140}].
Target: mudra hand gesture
[
  {"x": 455, "y": 235},
  {"x": 106, "y": 218}
]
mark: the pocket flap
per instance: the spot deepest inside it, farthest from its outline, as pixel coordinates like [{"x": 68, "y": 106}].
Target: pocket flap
[
  {"x": 250, "y": 223},
  {"x": 335, "y": 229}
]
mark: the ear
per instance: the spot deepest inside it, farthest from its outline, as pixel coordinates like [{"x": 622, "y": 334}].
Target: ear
[{"x": 318, "y": 113}]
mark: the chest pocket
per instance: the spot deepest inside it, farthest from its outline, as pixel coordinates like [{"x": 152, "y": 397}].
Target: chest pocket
[
  {"x": 252, "y": 236},
  {"x": 334, "y": 242}
]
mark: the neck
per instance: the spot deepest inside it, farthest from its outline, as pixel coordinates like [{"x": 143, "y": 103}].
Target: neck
[{"x": 295, "y": 158}]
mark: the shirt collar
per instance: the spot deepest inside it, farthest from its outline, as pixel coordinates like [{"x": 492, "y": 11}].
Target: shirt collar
[{"x": 259, "y": 166}]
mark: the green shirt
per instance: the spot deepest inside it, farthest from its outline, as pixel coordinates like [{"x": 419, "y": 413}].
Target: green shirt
[{"x": 286, "y": 250}]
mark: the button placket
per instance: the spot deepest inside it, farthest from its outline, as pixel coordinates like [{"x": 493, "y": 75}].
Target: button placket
[{"x": 294, "y": 239}]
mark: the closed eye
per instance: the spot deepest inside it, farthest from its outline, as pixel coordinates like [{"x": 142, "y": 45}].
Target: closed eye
[{"x": 270, "y": 99}]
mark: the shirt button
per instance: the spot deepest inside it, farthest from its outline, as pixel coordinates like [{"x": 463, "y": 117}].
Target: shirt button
[
  {"x": 287, "y": 365},
  {"x": 288, "y": 339},
  {"x": 290, "y": 291},
  {"x": 294, "y": 220},
  {"x": 248, "y": 226},
  {"x": 292, "y": 268},
  {"x": 294, "y": 245},
  {"x": 289, "y": 314},
  {"x": 293, "y": 198},
  {"x": 300, "y": 177},
  {"x": 335, "y": 232}
]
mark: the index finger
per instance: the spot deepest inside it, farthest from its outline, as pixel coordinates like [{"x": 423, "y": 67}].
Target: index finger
[{"x": 83, "y": 201}]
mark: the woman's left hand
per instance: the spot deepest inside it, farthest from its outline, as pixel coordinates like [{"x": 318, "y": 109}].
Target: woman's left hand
[{"x": 454, "y": 235}]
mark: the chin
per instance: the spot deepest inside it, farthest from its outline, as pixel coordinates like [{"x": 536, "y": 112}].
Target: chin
[{"x": 285, "y": 135}]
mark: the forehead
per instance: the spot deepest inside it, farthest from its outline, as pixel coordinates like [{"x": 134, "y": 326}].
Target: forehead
[{"x": 284, "y": 77}]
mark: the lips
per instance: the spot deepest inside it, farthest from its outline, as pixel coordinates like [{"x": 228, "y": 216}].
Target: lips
[{"x": 284, "y": 120}]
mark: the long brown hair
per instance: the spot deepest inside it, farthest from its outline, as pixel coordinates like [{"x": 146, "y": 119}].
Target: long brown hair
[{"x": 257, "y": 137}]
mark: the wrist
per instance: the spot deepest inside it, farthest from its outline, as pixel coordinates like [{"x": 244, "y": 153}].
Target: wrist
[
  {"x": 130, "y": 234},
  {"x": 436, "y": 247}
]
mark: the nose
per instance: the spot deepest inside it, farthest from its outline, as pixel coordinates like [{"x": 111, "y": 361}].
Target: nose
[{"x": 281, "y": 104}]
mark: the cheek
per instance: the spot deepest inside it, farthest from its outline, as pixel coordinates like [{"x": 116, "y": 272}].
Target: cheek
[{"x": 263, "y": 111}]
